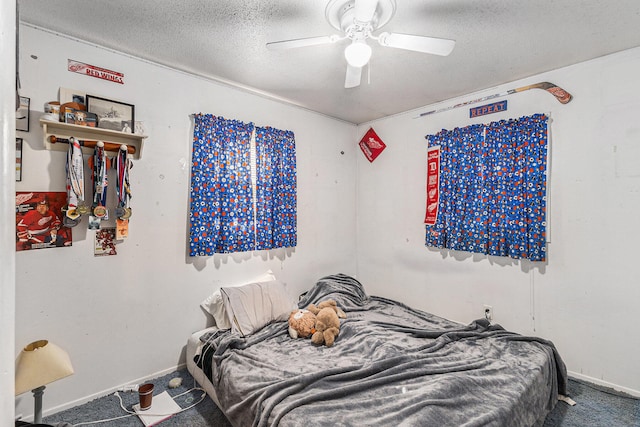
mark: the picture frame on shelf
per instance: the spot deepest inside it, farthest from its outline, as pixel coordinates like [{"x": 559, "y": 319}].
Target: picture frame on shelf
[
  {"x": 71, "y": 95},
  {"x": 19, "y": 159},
  {"x": 22, "y": 115},
  {"x": 113, "y": 115}
]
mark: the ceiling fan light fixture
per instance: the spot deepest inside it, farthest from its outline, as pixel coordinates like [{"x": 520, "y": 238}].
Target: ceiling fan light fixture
[{"x": 358, "y": 54}]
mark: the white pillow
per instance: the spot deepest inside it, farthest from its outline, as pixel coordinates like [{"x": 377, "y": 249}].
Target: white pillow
[
  {"x": 252, "y": 306},
  {"x": 214, "y": 305}
]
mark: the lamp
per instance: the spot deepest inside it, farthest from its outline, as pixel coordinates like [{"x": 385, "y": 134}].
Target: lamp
[
  {"x": 37, "y": 365},
  {"x": 358, "y": 53}
]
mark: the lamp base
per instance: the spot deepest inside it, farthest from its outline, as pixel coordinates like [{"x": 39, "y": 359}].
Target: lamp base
[{"x": 37, "y": 397}]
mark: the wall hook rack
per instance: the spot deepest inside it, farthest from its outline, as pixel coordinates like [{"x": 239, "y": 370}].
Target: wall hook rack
[
  {"x": 108, "y": 146},
  {"x": 59, "y": 132}
]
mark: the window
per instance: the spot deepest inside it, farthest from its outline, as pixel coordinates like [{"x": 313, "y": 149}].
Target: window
[
  {"x": 492, "y": 189},
  {"x": 243, "y": 187}
]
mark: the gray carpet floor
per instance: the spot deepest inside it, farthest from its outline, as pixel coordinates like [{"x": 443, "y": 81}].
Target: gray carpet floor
[{"x": 596, "y": 407}]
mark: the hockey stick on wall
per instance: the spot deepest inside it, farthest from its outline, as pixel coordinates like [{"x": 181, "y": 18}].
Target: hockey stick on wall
[{"x": 561, "y": 95}]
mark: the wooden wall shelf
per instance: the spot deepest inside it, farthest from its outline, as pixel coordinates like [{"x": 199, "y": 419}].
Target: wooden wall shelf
[{"x": 65, "y": 131}]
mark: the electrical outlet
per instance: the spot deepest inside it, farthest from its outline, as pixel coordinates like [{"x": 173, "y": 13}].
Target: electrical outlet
[{"x": 488, "y": 312}]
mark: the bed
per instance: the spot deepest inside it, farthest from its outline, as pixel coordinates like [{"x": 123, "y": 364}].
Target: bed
[{"x": 391, "y": 365}]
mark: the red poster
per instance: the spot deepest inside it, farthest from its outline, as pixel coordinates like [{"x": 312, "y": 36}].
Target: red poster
[
  {"x": 433, "y": 185},
  {"x": 39, "y": 220},
  {"x": 371, "y": 145}
]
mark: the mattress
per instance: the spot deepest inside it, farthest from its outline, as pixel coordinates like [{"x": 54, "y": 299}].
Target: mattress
[
  {"x": 390, "y": 365},
  {"x": 194, "y": 352}
]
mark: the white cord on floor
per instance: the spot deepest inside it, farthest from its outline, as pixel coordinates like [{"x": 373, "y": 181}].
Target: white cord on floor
[
  {"x": 132, "y": 413},
  {"x": 102, "y": 421}
]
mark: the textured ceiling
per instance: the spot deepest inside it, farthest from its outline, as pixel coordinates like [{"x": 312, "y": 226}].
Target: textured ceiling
[{"x": 497, "y": 41}]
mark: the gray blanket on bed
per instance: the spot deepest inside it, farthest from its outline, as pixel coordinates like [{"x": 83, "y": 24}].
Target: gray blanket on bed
[{"x": 391, "y": 365}]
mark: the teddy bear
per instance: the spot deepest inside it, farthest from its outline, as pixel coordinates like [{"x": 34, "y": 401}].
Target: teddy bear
[
  {"x": 327, "y": 322},
  {"x": 301, "y": 323}
]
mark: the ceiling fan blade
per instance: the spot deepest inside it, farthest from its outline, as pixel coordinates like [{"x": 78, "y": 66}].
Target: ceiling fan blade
[
  {"x": 353, "y": 77},
  {"x": 364, "y": 10},
  {"x": 422, "y": 44},
  {"x": 309, "y": 41}
]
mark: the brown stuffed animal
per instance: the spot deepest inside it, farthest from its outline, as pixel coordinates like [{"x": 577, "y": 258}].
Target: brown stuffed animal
[
  {"x": 327, "y": 322},
  {"x": 301, "y": 323}
]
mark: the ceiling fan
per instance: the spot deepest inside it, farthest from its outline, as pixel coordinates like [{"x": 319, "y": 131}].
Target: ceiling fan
[{"x": 357, "y": 20}]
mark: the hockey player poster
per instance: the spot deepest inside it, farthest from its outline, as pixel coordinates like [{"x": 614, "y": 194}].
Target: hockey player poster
[{"x": 39, "y": 221}]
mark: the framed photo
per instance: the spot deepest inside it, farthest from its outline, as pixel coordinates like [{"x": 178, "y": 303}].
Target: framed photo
[
  {"x": 112, "y": 115},
  {"x": 18, "y": 159},
  {"x": 70, "y": 95},
  {"x": 22, "y": 115}
]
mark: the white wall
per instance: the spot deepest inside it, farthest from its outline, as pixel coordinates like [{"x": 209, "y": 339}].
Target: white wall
[
  {"x": 585, "y": 298},
  {"x": 128, "y": 316},
  {"x": 7, "y": 196}
]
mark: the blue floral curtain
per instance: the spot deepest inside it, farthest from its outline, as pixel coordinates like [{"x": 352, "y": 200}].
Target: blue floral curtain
[
  {"x": 224, "y": 215},
  {"x": 493, "y": 182},
  {"x": 275, "y": 188},
  {"x": 221, "y": 208}
]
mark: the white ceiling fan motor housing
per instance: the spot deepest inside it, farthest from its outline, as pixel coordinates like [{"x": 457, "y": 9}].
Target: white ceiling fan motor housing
[{"x": 341, "y": 15}]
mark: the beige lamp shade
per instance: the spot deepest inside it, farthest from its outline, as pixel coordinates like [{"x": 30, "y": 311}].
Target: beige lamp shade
[{"x": 41, "y": 363}]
